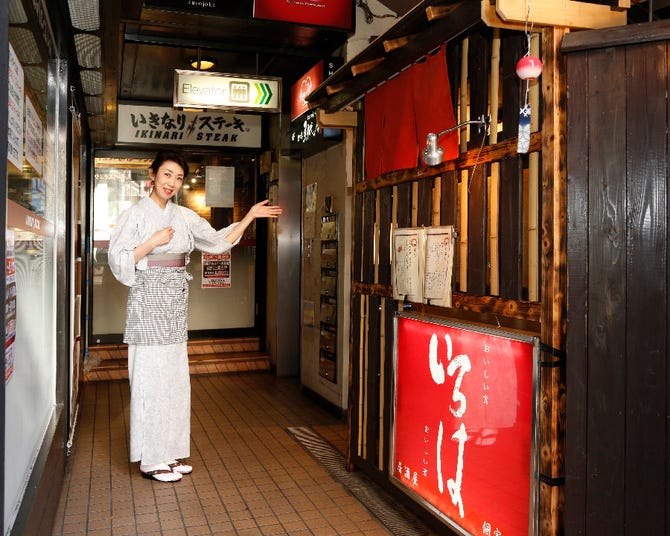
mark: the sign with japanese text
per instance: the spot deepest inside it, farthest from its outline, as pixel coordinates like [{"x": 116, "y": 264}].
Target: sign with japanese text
[
  {"x": 15, "y": 87},
  {"x": 34, "y": 137},
  {"x": 162, "y": 124},
  {"x": 309, "y": 82},
  {"x": 329, "y": 13},
  {"x": 463, "y": 438},
  {"x": 202, "y": 89},
  {"x": 216, "y": 270}
]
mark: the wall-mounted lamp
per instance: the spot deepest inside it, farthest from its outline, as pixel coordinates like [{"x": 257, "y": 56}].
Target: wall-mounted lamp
[{"x": 433, "y": 153}]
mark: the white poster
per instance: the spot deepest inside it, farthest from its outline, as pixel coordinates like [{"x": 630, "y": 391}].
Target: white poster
[
  {"x": 165, "y": 125},
  {"x": 219, "y": 186},
  {"x": 34, "y": 137},
  {"x": 15, "y": 89}
]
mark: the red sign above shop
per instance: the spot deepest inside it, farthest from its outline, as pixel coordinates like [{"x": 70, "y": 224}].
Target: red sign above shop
[
  {"x": 330, "y": 13},
  {"x": 463, "y": 431}
]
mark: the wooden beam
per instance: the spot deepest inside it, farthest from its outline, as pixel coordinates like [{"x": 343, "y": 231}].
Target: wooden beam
[
  {"x": 551, "y": 419},
  {"x": 366, "y": 66},
  {"x": 336, "y": 119},
  {"x": 394, "y": 44},
  {"x": 563, "y": 13},
  {"x": 492, "y": 19},
  {"x": 439, "y": 12}
]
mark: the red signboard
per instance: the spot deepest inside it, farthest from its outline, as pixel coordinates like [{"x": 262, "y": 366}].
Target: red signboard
[
  {"x": 463, "y": 430},
  {"x": 303, "y": 87},
  {"x": 330, "y": 13}
]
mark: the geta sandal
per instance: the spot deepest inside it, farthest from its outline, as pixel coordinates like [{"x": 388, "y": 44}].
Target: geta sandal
[
  {"x": 156, "y": 475},
  {"x": 181, "y": 467}
]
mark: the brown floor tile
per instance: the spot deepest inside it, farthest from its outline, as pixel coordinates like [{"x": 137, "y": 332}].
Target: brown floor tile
[{"x": 250, "y": 475}]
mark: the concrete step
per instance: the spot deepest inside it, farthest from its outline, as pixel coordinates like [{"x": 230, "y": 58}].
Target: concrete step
[{"x": 212, "y": 356}]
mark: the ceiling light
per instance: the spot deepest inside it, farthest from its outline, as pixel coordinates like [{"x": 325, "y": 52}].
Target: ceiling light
[{"x": 202, "y": 63}]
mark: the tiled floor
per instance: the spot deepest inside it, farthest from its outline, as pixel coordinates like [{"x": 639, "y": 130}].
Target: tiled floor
[{"x": 251, "y": 477}]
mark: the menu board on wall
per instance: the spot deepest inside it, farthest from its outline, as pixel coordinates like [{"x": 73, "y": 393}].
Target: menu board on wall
[
  {"x": 423, "y": 259},
  {"x": 463, "y": 435},
  {"x": 15, "y": 89}
]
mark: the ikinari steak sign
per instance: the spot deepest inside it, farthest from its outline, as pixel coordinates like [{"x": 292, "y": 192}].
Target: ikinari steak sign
[
  {"x": 161, "y": 124},
  {"x": 464, "y": 441}
]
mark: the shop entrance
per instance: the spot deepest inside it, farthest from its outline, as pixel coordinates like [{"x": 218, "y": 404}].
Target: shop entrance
[{"x": 225, "y": 297}]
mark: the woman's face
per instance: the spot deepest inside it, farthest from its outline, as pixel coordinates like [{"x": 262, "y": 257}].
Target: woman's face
[{"x": 167, "y": 181}]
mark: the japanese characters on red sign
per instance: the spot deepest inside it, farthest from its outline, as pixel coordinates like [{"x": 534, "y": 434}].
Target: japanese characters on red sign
[
  {"x": 330, "y": 13},
  {"x": 463, "y": 425}
]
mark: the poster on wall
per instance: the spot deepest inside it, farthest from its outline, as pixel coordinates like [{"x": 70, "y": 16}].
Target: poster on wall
[
  {"x": 463, "y": 433},
  {"x": 15, "y": 87},
  {"x": 216, "y": 270},
  {"x": 34, "y": 137},
  {"x": 10, "y": 304},
  {"x": 219, "y": 186}
]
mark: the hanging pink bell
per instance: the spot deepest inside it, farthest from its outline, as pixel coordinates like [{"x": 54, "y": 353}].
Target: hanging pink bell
[{"x": 528, "y": 67}]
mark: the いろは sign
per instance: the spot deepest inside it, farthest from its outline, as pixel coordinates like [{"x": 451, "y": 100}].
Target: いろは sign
[{"x": 463, "y": 429}]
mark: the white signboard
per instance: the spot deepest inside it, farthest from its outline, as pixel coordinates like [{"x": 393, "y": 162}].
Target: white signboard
[
  {"x": 217, "y": 90},
  {"x": 15, "y": 89},
  {"x": 219, "y": 186},
  {"x": 162, "y": 124},
  {"x": 34, "y": 137}
]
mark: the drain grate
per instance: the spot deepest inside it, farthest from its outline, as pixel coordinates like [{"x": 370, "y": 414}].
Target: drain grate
[{"x": 392, "y": 514}]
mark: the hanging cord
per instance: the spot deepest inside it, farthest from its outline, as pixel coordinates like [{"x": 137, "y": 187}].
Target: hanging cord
[
  {"x": 529, "y": 35},
  {"x": 474, "y": 168}
]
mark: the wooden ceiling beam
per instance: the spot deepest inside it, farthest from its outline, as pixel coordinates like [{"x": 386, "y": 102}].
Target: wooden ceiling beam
[{"x": 561, "y": 13}]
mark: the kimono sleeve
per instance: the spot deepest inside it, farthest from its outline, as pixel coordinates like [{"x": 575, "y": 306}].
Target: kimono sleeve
[
  {"x": 125, "y": 238},
  {"x": 205, "y": 237}
]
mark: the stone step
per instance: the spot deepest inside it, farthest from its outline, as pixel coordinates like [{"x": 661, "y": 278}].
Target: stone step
[{"x": 212, "y": 356}]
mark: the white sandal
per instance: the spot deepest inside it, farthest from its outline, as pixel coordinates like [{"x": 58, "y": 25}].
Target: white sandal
[
  {"x": 161, "y": 472},
  {"x": 181, "y": 467}
]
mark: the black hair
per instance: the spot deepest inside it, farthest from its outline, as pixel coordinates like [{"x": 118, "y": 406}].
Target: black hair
[{"x": 172, "y": 156}]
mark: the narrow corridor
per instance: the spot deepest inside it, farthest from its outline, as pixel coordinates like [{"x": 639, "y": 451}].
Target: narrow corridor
[{"x": 251, "y": 476}]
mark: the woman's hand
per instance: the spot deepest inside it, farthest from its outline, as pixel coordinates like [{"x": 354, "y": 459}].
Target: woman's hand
[
  {"x": 263, "y": 210},
  {"x": 162, "y": 236}
]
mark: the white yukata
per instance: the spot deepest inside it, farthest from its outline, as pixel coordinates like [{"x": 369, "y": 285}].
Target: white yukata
[{"x": 156, "y": 330}]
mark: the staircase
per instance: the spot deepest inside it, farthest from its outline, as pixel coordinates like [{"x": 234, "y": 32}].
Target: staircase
[{"x": 211, "y": 356}]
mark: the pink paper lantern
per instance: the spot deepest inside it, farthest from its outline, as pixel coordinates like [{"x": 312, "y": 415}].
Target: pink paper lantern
[{"x": 528, "y": 67}]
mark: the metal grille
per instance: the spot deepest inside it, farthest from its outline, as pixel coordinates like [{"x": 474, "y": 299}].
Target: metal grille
[{"x": 397, "y": 519}]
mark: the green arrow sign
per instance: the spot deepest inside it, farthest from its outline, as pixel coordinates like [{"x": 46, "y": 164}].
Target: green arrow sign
[{"x": 264, "y": 93}]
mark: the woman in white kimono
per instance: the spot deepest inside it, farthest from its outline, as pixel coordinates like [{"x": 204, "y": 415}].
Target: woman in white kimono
[{"x": 148, "y": 251}]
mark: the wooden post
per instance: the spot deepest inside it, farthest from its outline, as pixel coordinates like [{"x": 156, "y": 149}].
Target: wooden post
[
  {"x": 533, "y": 187},
  {"x": 494, "y": 179},
  {"x": 465, "y": 177},
  {"x": 551, "y": 419}
]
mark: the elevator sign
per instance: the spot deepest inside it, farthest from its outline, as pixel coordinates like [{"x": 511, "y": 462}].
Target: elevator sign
[{"x": 198, "y": 89}]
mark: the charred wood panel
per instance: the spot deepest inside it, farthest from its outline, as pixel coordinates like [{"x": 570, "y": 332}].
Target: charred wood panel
[
  {"x": 404, "y": 216},
  {"x": 477, "y": 231},
  {"x": 425, "y": 203},
  {"x": 358, "y": 244},
  {"x": 510, "y": 228},
  {"x": 576, "y": 343},
  {"x": 368, "y": 236},
  {"x": 606, "y": 331},
  {"x": 512, "y": 48},
  {"x": 385, "y": 204},
  {"x": 646, "y": 283},
  {"x": 372, "y": 380}
]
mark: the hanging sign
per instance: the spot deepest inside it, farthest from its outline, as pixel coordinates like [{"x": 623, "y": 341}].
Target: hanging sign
[
  {"x": 331, "y": 13},
  {"x": 199, "y": 89},
  {"x": 463, "y": 434},
  {"x": 165, "y": 125}
]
